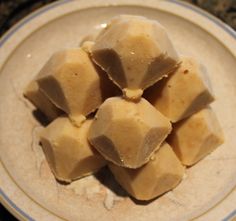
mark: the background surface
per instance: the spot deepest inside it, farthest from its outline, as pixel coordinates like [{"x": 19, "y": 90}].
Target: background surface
[{"x": 11, "y": 11}]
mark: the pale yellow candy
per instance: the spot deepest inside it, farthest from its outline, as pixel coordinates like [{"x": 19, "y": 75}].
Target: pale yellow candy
[
  {"x": 197, "y": 136},
  {"x": 67, "y": 150},
  {"x": 135, "y": 52},
  {"x": 72, "y": 82},
  {"x": 87, "y": 46},
  {"x": 88, "y": 38},
  {"x": 40, "y": 101},
  {"x": 183, "y": 93},
  {"x": 161, "y": 174},
  {"x": 127, "y": 133}
]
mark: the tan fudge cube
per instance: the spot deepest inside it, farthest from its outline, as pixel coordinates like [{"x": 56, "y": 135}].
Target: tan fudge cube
[
  {"x": 194, "y": 138},
  {"x": 183, "y": 93},
  {"x": 40, "y": 101},
  {"x": 67, "y": 150},
  {"x": 135, "y": 52},
  {"x": 74, "y": 84},
  {"x": 127, "y": 133},
  {"x": 159, "y": 175}
]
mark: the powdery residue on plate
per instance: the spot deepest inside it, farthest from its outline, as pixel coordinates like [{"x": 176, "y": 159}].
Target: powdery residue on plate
[{"x": 101, "y": 184}]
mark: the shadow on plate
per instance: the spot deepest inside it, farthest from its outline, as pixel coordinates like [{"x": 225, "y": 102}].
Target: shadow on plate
[{"x": 106, "y": 178}]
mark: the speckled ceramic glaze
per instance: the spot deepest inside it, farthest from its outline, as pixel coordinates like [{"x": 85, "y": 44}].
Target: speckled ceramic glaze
[{"x": 27, "y": 186}]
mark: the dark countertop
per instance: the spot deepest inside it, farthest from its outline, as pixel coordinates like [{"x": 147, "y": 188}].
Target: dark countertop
[{"x": 12, "y": 11}]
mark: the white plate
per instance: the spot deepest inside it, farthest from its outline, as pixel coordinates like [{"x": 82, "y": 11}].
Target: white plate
[{"x": 28, "y": 188}]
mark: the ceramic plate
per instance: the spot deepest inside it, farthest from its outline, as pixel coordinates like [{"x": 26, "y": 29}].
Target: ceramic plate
[{"x": 28, "y": 188}]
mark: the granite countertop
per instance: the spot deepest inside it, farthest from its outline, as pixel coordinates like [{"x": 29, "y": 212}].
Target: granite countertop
[{"x": 12, "y": 11}]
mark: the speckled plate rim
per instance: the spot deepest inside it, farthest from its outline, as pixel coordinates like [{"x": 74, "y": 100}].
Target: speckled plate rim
[{"x": 9, "y": 42}]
